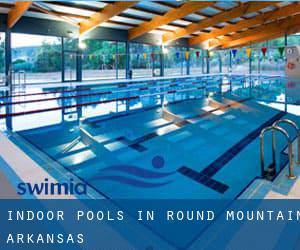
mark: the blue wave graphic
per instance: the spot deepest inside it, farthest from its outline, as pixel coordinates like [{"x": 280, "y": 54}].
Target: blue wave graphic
[
  {"x": 131, "y": 182},
  {"x": 136, "y": 171}
]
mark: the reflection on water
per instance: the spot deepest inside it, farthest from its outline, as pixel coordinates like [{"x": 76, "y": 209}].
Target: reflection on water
[{"x": 71, "y": 104}]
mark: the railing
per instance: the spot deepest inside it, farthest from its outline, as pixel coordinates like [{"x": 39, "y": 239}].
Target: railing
[
  {"x": 272, "y": 167},
  {"x": 294, "y": 125}
]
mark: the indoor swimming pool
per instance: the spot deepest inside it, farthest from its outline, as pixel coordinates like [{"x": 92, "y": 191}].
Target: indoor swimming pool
[{"x": 177, "y": 138}]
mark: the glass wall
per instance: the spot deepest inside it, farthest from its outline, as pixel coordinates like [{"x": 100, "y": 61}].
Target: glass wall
[
  {"x": 99, "y": 60},
  {"x": 225, "y": 61},
  {"x": 121, "y": 60},
  {"x": 196, "y": 62},
  {"x": 293, "y": 39},
  {"x": 35, "y": 59},
  {"x": 175, "y": 61},
  {"x": 272, "y": 63},
  {"x": 214, "y": 61},
  {"x": 240, "y": 62},
  {"x": 2, "y": 58},
  {"x": 38, "y": 59},
  {"x": 140, "y": 60}
]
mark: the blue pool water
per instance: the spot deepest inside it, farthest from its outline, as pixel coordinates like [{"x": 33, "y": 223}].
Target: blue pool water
[{"x": 184, "y": 138}]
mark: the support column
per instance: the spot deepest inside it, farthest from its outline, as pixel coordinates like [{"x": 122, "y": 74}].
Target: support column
[
  {"x": 230, "y": 61},
  {"x": 207, "y": 62},
  {"x": 220, "y": 63},
  {"x": 188, "y": 61},
  {"x": 117, "y": 60},
  {"x": 162, "y": 61},
  {"x": 250, "y": 62},
  {"x": 285, "y": 39},
  {"x": 79, "y": 66},
  {"x": 285, "y": 101},
  {"x": 62, "y": 61},
  {"x": 8, "y": 64},
  {"x": 8, "y": 78},
  {"x": 127, "y": 59}
]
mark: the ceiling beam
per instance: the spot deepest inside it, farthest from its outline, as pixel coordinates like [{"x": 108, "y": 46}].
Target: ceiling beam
[
  {"x": 289, "y": 10},
  {"x": 107, "y": 12},
  {"x": 218, "y": 18},
  {"x": 17, "y": 12},
  {"x": 58, "y": 15},
  {"x": 287, "y": 25},
  {"x": 170, "y": 16}
]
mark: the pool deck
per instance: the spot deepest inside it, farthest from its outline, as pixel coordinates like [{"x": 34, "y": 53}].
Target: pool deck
[{"x": 17, "y": 166}]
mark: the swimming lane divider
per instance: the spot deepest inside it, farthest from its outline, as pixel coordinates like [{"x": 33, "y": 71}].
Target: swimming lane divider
[
  {"x": 88, "y": 95},
  {"x": 46, "y": 93},
  {"x": 67, "y": 107},
  {"x": 95, "y": 102}
]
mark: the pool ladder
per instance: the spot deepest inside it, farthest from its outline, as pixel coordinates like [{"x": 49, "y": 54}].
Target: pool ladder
[{"x": 272, "y": 167}]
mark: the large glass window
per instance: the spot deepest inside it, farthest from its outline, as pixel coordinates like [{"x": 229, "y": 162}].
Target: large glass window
[
  {"x": 214, "y": 62},
  {"x": 2, "y": 58},
  {"x": 35, "y": 59},
  {"x": 121, "y": 60},
  {"x": 240, "y": 62},
  {"x": 175, "y": 61},
  {"x": 140, "y": 60},
  {"x": 293, "y": 39},
  {"x": 144, "y": 60},
  {"x": 273, "y": 63},
  {"x": 99, "y": 60},
  {"x": 196, "y": 62},
  {"x": 225, "y": 61}
]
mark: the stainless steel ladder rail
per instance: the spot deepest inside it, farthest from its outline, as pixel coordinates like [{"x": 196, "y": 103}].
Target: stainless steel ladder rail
[
  {"x": 294, "y": 125},
  {"x": 262, "y": 149}
]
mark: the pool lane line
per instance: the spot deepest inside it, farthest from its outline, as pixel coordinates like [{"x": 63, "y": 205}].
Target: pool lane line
[
  {"x": 109, "y": 92},
  {"x": 46, "y": 93},
  {"x": 67, "y": 107},
  {"x": 91, "y": 103},
  {"x": 55, "y": 98},
  {"x": 118, "y": 86},
  {"x": 93, "y": 94},
  {"x": 162, "y": 84},
  {"x": 96, "y": 102}
]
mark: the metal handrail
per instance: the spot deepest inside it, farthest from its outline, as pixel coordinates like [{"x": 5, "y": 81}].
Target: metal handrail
[
  {"x": 71, "y": 145},
  {"x": 294, "y": 125},
  {"x": 290, "y": 150}
]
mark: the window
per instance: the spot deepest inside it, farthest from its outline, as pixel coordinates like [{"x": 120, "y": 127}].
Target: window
[
  {"x": 175, "y": 61},
  {"x": 225, "y": 61},
  {"x": 35, "y": 59},
  {"x": 196, "y": 62},
  {"x": 121, "y": 60},
  {"x": 273, "y": 63},
  {"x": 99, "y": 60},
  {"x": 144, "y": 60},
  {"x": 140, "y": 60},
  {"x": 214, "y": 62},
  {"x": 240, "y": 63}
]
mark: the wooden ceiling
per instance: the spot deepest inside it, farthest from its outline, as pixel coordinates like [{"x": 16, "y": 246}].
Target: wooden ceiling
[{"x": 210, "y": 24}]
